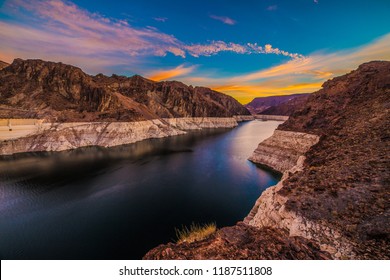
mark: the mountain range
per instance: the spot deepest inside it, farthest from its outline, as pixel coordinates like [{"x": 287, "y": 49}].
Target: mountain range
[
  {"x": 282, "y": 105},
  {"x": 64, "y": 93}
]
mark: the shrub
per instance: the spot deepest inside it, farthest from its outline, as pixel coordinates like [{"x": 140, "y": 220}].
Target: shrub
[{"x": 195, "y": 232}]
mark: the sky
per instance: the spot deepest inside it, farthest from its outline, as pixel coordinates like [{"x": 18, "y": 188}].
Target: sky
[{"x": 246, "y": 48}]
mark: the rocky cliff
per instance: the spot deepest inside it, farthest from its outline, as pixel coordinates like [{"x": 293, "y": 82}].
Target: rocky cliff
[
  {"x": 334, "y": 194},
  {"x": 282, "y": 150},
  {"x": 64, "y": 93},
  {"x": 339, "y": 195}
]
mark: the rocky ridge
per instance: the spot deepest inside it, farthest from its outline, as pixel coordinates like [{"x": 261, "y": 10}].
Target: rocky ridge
[
  {"x": 3, "y": 64},
  {"x": 288, "y": 107},
  {"x": 336, "y": 193},
  {"x": 64, "y": 93},
  {"x": 282, "y": 105}
]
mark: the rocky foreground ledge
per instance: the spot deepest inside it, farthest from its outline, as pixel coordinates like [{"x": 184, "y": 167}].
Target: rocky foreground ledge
[{"x": 333, "y": 200}]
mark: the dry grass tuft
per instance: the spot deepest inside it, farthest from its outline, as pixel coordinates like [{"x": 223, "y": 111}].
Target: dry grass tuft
[{"x": 195, "y": 232}]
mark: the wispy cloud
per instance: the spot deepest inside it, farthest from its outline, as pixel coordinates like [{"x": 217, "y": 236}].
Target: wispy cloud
[
  {"x": 272, "y": 8},
  {"x": 161, "y": 19},
  {"x": 55, "y": 29},
  {"x": 225, "y": 20},
  {"x": 178, "y": 71},
  {"x": 215, "y": 47}
]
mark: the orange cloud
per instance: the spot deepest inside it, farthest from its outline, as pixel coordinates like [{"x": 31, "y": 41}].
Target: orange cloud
[
  {"x": 245, "y": 93},
  {"x": 305, "y": 74},
  {"x": 171, "y": 73}
]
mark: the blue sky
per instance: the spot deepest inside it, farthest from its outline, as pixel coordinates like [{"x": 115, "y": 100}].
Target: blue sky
[{"x": 243, "y": 48}]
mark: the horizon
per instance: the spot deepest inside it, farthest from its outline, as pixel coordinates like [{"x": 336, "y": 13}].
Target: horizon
[{"x": 259, "y": 49}]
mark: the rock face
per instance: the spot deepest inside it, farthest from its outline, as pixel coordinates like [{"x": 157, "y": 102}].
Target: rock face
[
  {"x": 241, "y": 242},
  {"x": 282, "y": 105},
  {"x": 3, "y": 64},
  {"x": 334, "y": 193},
  {"x": 282, "y": 150},
  {"x": 64, "y": 93},
  {"x": 65, "y": 136},
  {"x": 338, "y": 197}
]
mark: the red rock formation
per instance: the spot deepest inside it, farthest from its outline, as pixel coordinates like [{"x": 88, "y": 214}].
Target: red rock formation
[{"x": 40, "y": 89}]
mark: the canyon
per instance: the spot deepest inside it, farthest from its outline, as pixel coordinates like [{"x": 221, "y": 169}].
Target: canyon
[
  {"x": 333, "y": 199},
  {"x": 333, "y": 151}
]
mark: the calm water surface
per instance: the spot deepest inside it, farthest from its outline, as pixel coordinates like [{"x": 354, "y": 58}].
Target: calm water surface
[{"x": 117, "y": 203}]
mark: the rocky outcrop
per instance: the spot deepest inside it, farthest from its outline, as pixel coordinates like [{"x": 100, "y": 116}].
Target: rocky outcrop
[
  {"x": 271, "y": 118},
  {"x": 241, "y": 242},
  {"x": 243, "y": 118},
  {"x": 200, "y": 123},
  {"x": 65, "y": 136},
  {"x": 270, "y": 211},
  {"x": 282, "y": 150},
  {"x": 3, "y": 64},
  {"x": 64, "y": 93}
]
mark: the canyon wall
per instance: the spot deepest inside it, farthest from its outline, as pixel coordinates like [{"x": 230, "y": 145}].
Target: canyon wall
[
  {"x": 282, "y": 150},
  {"x": 65, "y": 136},
  {"x": 270, "y": 209}
]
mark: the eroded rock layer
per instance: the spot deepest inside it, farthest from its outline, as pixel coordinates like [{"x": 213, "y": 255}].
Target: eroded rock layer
[
  {"x": 282, "y": 150},
  {"x": 65, "y": 136}
]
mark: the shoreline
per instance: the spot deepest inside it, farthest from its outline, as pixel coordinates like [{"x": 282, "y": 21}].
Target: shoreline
[{"x": 33, "y": 135}]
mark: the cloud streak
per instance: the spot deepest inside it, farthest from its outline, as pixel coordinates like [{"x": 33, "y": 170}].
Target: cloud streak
[
  {"x": 160, "y": 19},
  {"x": 225, "y": 20},
  {"x": 178, "y": 71},
  {"x": 272, "y": 8},
  {"x": 59, "y": 29}
]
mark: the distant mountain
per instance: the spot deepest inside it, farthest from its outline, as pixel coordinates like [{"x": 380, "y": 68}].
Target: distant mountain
[
  {"x": 3, "y": 64},
  {"x": 41, "y": 89},
  {"x": 288, "y": 107},
  {"x": 277, "y": 105}
]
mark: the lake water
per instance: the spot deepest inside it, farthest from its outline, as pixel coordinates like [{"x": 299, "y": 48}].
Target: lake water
[{"x": 117, "y": 203}]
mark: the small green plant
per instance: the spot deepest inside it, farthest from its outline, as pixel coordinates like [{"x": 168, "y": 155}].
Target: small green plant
[{"x": 195, "y": 232}]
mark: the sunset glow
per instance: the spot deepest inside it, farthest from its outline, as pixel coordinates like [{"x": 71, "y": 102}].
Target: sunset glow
[{"x": 249, "y": 50}]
